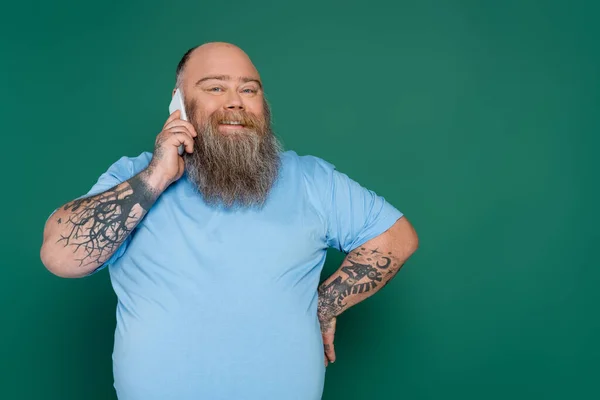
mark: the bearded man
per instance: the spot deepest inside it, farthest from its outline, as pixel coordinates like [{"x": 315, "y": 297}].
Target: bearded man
[{"x": 215, "y": 254}]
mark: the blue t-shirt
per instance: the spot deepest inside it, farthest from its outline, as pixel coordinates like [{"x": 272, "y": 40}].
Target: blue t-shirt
[{"x": 218, "y": 304}]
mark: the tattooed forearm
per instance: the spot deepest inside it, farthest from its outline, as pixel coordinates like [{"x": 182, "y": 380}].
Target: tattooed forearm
[
  {"x": 93, "y": 228},
  {"x": 363, "y": 272}
]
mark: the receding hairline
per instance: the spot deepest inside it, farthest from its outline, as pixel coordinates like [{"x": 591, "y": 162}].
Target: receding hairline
[{"x": 187, "y": 55}]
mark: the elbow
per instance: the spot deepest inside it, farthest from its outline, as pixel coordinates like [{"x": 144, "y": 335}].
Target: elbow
[
  {"x": 407, "y": 235},
  {"x": 54, "y": 263},
  {"x": 50, "y": 261},
  {"x": 413, "y": 242},
  {"x": 416, "y": 244}
]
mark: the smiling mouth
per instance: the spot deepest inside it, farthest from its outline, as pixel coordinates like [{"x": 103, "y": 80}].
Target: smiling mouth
[
  {"x": 232, "y": 123},
  {"x": 232, "y": 126}
]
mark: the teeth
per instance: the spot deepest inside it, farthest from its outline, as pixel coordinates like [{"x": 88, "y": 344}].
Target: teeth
[{"x": 231, "y": 123}]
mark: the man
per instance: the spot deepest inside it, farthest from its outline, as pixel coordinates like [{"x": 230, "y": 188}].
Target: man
[{"x": 215, "y": 255}]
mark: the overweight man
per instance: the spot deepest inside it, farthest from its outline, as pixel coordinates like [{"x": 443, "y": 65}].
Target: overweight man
[{"x": 215, "y": 254}]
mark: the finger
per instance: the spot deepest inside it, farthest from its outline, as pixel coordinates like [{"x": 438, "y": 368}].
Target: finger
[
  {"x": 326, "y": 362},
  {"x": 181, "y": 138},
  {"x": 330, "y": 351},
  {"x": 182, "y": 123},
  {"x": 176, "y": 114},
  {"x": 179, "y": 129}
]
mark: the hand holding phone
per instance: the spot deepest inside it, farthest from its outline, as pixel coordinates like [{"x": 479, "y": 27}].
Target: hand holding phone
[
  {"x": 178, "y": 104},
  {"x": 176, "y": 137}
]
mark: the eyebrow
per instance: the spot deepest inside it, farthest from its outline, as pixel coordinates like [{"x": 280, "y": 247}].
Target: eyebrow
[{"x": 244, "y": 79}]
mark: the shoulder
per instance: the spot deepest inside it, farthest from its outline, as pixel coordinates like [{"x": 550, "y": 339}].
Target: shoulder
[
  {"x": 309, "y": 166},
  {"x": 128, "y": 166}
]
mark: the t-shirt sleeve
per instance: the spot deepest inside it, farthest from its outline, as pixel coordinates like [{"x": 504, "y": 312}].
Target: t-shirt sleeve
[{"x": 354, "y": 214}]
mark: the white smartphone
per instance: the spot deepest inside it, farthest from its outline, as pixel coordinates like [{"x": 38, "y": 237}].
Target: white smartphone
[{"x": 178, "y": 104}]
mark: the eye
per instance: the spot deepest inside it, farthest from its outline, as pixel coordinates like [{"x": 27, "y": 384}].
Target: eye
[
  {"x": 214, "y": 89},
  {"x": 249, "y": 90}
]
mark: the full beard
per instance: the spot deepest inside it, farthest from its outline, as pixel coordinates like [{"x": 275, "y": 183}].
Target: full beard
[{"x": 237, "y": 168}]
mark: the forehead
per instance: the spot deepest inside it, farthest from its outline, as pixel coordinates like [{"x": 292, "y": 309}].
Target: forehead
[{"x": 218, "y": 61}]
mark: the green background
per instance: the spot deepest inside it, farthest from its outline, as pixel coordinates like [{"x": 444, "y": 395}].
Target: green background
[{"x": 479, "y": 120}]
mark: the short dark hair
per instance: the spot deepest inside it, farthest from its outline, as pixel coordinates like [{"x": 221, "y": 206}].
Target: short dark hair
[{"x": 181, "y": 65}]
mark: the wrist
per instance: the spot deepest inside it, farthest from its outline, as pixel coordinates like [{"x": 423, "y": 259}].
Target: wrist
[
  {"x": 325, "y": 314},
  {"x": 326, "y": 310},
  {"x": 155, "y": 179}
]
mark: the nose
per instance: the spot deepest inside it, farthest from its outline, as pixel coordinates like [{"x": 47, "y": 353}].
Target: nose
[{"x": 234, "y": 102}]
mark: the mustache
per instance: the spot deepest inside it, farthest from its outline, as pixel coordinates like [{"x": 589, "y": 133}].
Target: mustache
[{"x": 246, "y": 119}]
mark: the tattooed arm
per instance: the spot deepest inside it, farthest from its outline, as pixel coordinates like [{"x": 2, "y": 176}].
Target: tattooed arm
[
  {"x": 363, "y": 272},
  {"x": 84, "y": 233}
]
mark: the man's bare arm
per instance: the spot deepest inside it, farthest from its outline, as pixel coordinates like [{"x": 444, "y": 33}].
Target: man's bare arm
[
  {"x": 84, "y": 233},
  {"x": 366, "y": 270}
]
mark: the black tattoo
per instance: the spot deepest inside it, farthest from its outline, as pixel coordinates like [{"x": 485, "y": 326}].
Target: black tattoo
[
  {"x": 362, "y": 275},
  {"x": 99, "y": 224},
  {"x": 142, "y": 193}
]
